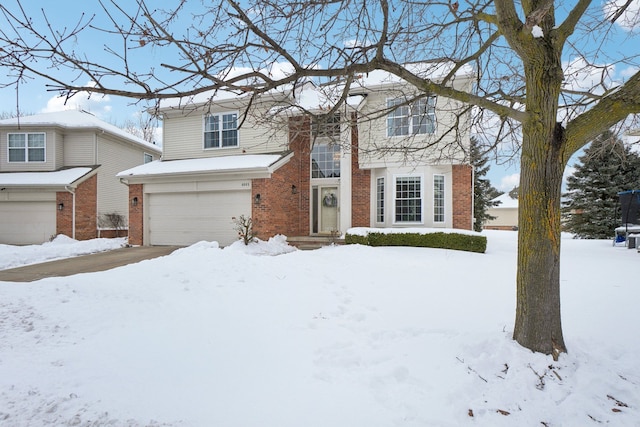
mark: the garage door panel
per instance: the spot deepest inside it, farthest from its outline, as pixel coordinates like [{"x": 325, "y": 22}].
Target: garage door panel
[
  {"x": 186, "y": 218},
  {"x": 24, "y": 223}
]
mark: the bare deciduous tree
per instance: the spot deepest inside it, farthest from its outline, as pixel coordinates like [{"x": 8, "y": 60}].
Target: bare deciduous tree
[{"x": 544, "y": 85}]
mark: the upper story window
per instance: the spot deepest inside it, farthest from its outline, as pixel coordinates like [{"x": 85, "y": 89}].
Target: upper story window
[
  {"x": 221, "y": 130},
  {"x": 325, "y": 160},
  {"x": 414, "y": 118},
  {"x": 26, "y": 147},
  {"x": 148, "y": 158},
  {"x": 326, "y": 126}
]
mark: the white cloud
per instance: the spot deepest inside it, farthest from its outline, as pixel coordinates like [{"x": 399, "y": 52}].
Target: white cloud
[
  {"x": 582, "y": 76},
  {"x": 630, "y": 19},
  {"x": 94, "y": 103},
  {"x": 507, "y": 183}
]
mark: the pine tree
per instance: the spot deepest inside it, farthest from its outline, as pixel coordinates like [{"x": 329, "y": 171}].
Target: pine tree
[
  {"x": 483, "y": 191},
  {"x": 591, "y": 207}
]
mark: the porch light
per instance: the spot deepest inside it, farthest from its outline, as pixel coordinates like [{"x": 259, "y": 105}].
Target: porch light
[
  {"x": 134, "y": 201},
  {"x": 294, "y": 189},
  {"x": 257, "y": 199},
  {"x": 60, "y": 206}
]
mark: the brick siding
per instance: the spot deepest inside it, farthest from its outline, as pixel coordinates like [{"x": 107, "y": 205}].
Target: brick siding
[
  {"x": 86, "y": 210},
  {"x": 136, "y": 219},
  {"x": 462, "y": 196},
  {"x": 360, "y": 185},
  {"x": 284, "y": 198}
]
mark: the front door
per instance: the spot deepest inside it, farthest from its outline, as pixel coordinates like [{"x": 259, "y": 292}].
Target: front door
[{"x": 325, "y": 209}]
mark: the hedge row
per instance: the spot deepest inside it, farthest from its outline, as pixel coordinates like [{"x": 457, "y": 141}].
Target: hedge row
[{"x": 460, "y": 242}]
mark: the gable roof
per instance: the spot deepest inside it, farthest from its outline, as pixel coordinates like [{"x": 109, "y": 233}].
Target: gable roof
[
  {"x": 506, "y": 202},
  {"x": 75, "y": 119}
]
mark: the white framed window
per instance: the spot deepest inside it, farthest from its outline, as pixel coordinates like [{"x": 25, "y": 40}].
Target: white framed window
[
  {"x": 26, "y": 147},
  {"x": 326, "y": 127},
  {"x": 325, "y": 160},
  {"x": 148, "y": 158},
  {"x": 408, "y": 197},
  {"x": 221, "y": 130},
  {"x": 380, "y": 199},
  {"x": 438, "y": 198},
  {"x": 414, "y": 118}
]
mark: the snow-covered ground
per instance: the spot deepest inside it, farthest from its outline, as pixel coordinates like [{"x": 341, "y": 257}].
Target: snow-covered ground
[
  {"x": 60, "y": 247},
  {"x": 341, "y": 336}
]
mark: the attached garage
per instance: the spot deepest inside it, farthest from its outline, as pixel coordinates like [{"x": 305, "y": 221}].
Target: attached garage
[
  {"x": 31, "y": 222},
  {"x": 181, "y": 202},
  {"x": 187, "y": 218}
]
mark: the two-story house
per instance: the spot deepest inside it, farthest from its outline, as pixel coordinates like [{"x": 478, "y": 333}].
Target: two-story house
[
  {"x": 387, "y": 157},
  {"x": 58, "y": 175}
]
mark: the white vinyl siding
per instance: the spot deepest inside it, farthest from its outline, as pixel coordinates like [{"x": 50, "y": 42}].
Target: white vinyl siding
[
  {"x": 80, "y": 148},
  {"x": 114, "y": 156},
  {"x": 184, "y": 138}
]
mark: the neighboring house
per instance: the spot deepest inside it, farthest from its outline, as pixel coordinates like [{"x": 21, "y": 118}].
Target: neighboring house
[
  {"x": 299, "y": 178},
  {"x": 58, "y": 175},
  {"x": 506, "y": 213}
]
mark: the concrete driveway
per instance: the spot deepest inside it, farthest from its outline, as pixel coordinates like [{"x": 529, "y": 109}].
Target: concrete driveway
[{"x": 85, "y": 264}]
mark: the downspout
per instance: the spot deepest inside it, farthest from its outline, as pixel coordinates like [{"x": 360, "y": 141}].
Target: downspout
[{"x": 73, "y": 210}]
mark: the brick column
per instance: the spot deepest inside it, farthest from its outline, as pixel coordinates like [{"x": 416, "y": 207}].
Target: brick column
[
  {"x": 360, "y": 184},
  {"x": 136, "y": 217},
  {"x": 462, "y": 196}
]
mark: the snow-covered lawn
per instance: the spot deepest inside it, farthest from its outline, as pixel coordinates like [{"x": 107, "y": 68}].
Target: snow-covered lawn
[
  {"x": 60, "y": 247},
  {"x": 341, "y": 336}
]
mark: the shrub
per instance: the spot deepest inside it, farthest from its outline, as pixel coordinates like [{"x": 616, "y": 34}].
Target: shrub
[
  {"x": 244, "y": 227},
  {"x": 456, "y": 241}
]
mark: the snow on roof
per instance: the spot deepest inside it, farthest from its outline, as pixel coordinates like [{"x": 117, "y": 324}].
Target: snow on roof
[
  {"x": 212, "y": 164},
  {"x": 313, "y": 97},
  {"x": 431, "y": 70},
  {"x": 505, "y": 202},
  {"x": 75, "y": 119},
  {"x": 42, "y": 179}
]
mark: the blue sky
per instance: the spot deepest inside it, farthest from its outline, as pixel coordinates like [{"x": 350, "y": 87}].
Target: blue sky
[{"x": 33, "y": 96}]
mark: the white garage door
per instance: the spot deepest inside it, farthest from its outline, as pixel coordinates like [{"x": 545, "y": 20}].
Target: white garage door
[
  {"x": 23, "y": 223},
  {"x": 186, "y": 218}
]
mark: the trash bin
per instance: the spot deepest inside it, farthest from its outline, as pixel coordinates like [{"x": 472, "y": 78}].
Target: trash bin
[{"x": 632, "y": 240}]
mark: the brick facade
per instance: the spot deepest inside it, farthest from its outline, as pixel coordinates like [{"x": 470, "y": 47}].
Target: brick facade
[
  {"x": 360, "y": 185},
  {"x": 284, "y": 198},
  {"x": 86, "y": 211},
  {"x": 136, "y": 218},
  {"x": 462, "y": 196}
]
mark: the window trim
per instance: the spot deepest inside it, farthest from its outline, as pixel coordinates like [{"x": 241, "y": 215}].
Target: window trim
[
  {"x": 330, "y": 148},
  {"x": 26, "y": 147},
  {"x": 444, "y": 199},
  {"x": 431, "y": 112},
  {"x": 220, "y": 130},
  {"x": 145, "y": 156},
  {"x": 395, "y": 199},
  {"x": 380, "y": 200}
]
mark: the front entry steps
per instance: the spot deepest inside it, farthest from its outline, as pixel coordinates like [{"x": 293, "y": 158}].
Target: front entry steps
[{"x": 314, "y": 242}]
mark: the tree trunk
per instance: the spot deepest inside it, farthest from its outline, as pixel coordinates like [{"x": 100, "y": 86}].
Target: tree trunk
[
  {"x": 538, "y": 323},
  {"x": 538, "y": 319}
]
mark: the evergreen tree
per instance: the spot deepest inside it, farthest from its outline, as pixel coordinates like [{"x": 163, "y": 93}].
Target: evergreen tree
[
  {"x": 591, "y": 208},
  {"x": 483, "y": 191}
]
